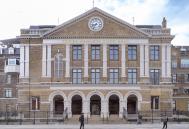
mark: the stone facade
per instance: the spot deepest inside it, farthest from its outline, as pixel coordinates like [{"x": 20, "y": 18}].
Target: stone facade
[{"x": 40, "y": 90}]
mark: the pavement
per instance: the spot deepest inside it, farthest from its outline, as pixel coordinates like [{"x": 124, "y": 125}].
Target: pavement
[{"x": 99, "y": 126}]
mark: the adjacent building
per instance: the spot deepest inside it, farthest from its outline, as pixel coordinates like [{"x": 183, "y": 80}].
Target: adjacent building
[
  {"x": 180, "y": 77},
  {"x": 9, "y": 73},
  {"x": 97, "y": 64}
]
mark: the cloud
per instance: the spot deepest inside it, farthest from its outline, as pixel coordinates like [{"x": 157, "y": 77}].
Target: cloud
[{"x": 23, "y": 13}]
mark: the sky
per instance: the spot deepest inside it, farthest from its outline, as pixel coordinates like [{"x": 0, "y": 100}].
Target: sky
[{"x": 17, "y": 14}]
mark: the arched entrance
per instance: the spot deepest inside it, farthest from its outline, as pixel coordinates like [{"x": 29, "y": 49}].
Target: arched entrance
[
  {"x": 76, "y": 105},
  {"x": 95, "y": 105},
  {"x": 132, "y": 104},
  {"x": 114, "y": 104},
  {"x": 58, "y": 104}
]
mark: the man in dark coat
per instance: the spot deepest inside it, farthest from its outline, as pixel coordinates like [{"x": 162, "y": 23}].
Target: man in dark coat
[
  {"x": 165, "y": 120},
  {"x": 81, "y": 120}
]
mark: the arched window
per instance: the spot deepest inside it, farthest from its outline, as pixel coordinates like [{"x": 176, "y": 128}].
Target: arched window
[{"x": 58, "y": 66}]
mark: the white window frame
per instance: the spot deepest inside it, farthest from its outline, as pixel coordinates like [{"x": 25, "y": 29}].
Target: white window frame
[
  {"x": 11, "y": 50},
  {"x": 58, "y": 66},
  {"x": 1, "y": 50},
  {"x": 11, "y": 60},
  {"x": 8, "y": 93}
]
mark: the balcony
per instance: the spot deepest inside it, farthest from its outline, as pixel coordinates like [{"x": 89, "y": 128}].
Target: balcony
[{"x": 12, "y": 68}]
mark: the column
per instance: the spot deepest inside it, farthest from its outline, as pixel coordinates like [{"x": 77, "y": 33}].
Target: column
[
  {"x": 121, "y": 106},
  {"x": 142, "y": 61},
  {"x": 163, "y": 62},
  {"x": 67, "y": 74},
  {"x": 169, "y": 61},
  {"x": 123, "y": 61},
  {"x": 26, "y": 61},
  {"x": 86, "y": 60},
  {"x": 68, "y": 105},
  {"x": 49, "y": 61},
  {"x": 104, "y": 109},
  {"x": 104, "y": 60},
  {"x": 22, "y": 59},
  {"x": 146, "y": 60},
  {"x": 44, "y": 61},
  {"x": 86, "y": 108}
]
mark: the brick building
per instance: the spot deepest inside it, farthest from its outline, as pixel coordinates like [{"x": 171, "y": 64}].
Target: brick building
[
  {"x": 180, "y": 77},
  {"x": 9, "y": 73}
]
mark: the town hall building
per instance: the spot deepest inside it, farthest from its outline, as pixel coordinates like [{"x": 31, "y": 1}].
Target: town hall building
[{"x": 96, "y": 64}]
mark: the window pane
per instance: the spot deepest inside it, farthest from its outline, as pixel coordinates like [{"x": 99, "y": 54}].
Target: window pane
[
  {"x": 132, "y": 52},
  {"x": 114, "y": 52}
]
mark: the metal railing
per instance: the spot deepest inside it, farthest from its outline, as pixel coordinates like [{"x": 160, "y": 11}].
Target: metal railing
[{"x": 48, "y": 117}]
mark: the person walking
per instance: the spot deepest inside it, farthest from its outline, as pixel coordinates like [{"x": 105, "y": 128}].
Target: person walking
[
  {"x": 81, "y": 120},
  {"x": 165, "y": 120}
]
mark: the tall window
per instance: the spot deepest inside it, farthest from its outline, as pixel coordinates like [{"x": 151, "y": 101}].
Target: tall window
[
  {"x": 76, "y": 76},
  {"x": 77, "y": 52},
  {"x": 174, "y": 64},
  {"x": 132, "y": 76},
  {"x": 174, "y": 105},
  {"x": 9, "y": 79},
  {"x": 35, "y": 102},
  {"x": 95, "y": 76},
  {"x": 11, "y": 50},
  {"x": 114, "y": 52},
  {"x": 8, "y": 93},
  {"x": 154, "y": 102},
  {"x": 184, "y": 63},
  {"x": 154, "y": 52},
  {"x": 58, "y": 66},
  {"x": 154, "y": 76},
  {"x": 132, "y": 52},
  {"x": 113, "y": 76},
  {"x": 174, "y": 78},
  {"x": 95, "y": 52}
]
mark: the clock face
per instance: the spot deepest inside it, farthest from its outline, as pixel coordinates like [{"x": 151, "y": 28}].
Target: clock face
[{"x": 95, "y": 24}]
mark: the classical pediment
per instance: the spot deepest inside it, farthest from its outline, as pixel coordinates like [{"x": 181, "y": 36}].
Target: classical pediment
[{"x": 78, "y": 27}]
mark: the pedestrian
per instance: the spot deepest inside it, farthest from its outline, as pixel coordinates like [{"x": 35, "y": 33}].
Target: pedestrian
[
  {"x": 81, "y": 120},
  {"x": 165, "y": 120}
]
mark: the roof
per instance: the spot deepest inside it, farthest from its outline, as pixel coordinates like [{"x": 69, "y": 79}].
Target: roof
[
  {"x": 149, "y": 26},
  {"x": 11, "y": 41},
  {"x": 41, "y": 26},
  {"x": 100, "y": 11}
]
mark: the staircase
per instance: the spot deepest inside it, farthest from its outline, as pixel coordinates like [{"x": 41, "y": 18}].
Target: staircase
[
  {"x": 114, "y": 119},
  {"x": 132, "y": 117},
  {"x": 73, "y": 120},
  {"x": 96, "y": 119}
]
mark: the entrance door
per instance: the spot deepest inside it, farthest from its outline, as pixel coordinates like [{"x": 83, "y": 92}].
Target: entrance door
[
  {"x": 76, "y": 105},
  {"x": 58, "y": 104},
  {"x": 132, "y": 104},
  {"x": 95, "y": 105},
  {"x": 114, "y": 104}
]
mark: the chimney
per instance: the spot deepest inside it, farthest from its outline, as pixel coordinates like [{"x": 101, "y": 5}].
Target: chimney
[{"x": 164, "y": 23}]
